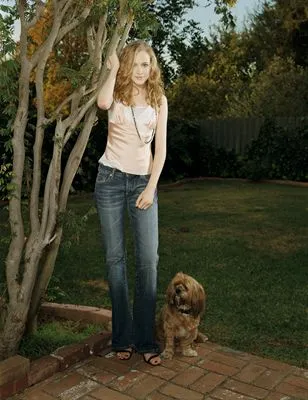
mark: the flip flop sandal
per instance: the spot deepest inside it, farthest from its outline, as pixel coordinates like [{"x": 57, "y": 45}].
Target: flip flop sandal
[
  {"x": 127, "y": 354},
  {"x": 149, "y": 359}
]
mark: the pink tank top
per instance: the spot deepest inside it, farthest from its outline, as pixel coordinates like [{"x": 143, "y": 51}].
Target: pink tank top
[{"x": 125, "y": 150}]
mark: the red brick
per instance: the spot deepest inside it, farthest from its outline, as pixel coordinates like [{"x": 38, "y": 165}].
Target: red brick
[
  {"x": 210, "y": 346},
  {"x": 43, "y": 368},
  {"x": 300, "y": 372},
  {"x": 218, "y": 367},
  {"x": 105, "y": 393},
  {"x": 99, "y": 375},
  {"x": 20, "y": 384},
  {"x": 225, "y": 394},
  {"x": 235, "y": 353},
  {"x": 188, "y": 360},
  {"x": 13, "y": 368},
  {"x": 79, "y": 390},
  {"x": 179, "y": 392},
  {"x": 113, "y": 365},
  {"x": 227, "y": 359},
  {"x": 245, "y": 388},
  {"x": 277, "y": 396},
  {"x": 7, "y": 390},
  {"x": 294, "y": 391},
  {"x": 63, "y": 383},
  {"x": 11, "y": 388},
  {"x": 297, "y": 381},
  {"x": 148, "y": 385},
  {"x": 208, "y": 382},
  {"x": 37, "y": 394},
  {"x": 269, "y": 379},
  {"x": 273, "y": 364},
  {"x": 249, "y": 373},
  {"x": 76, "y": 312},
  {"x": 160, "y": 371},
  {"x": 97, "y": 343},
  {"x": 86, "y": 397},
  {"x": 175, "y": 364},
  {"x": 157, "y": 396},
  {"x": 69, "y": 355},
  {"x": 203, "y": 351},
  {"x": 188, "y": 376},
  {"x": 124, "y": 382}
]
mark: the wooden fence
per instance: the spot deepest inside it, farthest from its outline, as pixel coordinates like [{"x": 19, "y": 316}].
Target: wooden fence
[{"x": 237, "y": 133}]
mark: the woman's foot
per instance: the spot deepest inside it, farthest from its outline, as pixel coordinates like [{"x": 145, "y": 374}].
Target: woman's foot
[
  {"x": 152, "y": 359},
  {"x": 124, "y": 354}
]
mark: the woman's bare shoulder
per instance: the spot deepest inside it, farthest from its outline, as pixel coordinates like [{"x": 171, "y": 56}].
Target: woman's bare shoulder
[{"x": 164, "y": 101}]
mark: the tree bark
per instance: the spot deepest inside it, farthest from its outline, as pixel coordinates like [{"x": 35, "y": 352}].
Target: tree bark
[
  {"x": 46, "y": 271},
  {"x": 13, "y": 329}
]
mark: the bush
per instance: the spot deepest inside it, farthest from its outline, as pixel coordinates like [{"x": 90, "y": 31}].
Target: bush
[
  {"x": 278, "y": 153},
  {"x": 5, "y": 180},
  {"x": 183, "y": 149},
  {"x": 191, "y": 154}
]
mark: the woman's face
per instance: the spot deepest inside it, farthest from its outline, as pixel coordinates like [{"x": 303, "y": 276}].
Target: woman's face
[{"x": 141, "y": 68}]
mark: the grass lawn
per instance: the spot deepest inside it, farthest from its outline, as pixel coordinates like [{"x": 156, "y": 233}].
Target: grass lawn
[{"x": 247, "y": 243}]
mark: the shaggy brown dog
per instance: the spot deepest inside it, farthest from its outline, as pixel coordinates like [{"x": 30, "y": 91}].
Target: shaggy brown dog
[{"x": 178, "y": 321}]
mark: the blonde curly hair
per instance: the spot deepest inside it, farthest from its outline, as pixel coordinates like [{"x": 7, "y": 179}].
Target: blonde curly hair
[{"x": 123, "y": 90}]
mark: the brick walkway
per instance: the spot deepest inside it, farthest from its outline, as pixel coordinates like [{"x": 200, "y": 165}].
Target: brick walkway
[{"x": 218, "y": 373}]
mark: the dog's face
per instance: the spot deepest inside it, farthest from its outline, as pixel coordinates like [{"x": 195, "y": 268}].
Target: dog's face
[{"x": 186, "y": 295}]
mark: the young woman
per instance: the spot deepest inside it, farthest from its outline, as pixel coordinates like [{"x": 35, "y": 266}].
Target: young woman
[{"x": 127, "y": 178}]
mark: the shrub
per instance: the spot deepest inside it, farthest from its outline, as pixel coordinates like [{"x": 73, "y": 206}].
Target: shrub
[
  {"x": 5, "y": 179},
  {"x": 278, "y": 153}
]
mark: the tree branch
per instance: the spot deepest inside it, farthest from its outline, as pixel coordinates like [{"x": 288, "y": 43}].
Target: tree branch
[
  {"x": 37, "y": 149},
  {"x": 52, "y": 186},
  {"x": 16, "y": 247},
  {"x": 99, "y": 44},
  {"x": 76, "y": 21},
  {"x": 75, "y": 156},
  {"x": 127, "y": 28},
  {"x": 39, "y": 9},
  {"x": 76, "y": 118},
  {"x": 90, "y": 40}
]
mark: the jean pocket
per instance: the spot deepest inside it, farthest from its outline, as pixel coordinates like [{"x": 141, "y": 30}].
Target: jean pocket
[{"x": 104, "y": 174}]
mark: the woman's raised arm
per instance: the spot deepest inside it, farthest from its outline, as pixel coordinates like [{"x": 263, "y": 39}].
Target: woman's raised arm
[{"x": 105, "y": 95}]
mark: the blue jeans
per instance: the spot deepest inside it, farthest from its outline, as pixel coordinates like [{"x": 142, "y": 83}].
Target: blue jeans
[{"x": 116, "y": 191}]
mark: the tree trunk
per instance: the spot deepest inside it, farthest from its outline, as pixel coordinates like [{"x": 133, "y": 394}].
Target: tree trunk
[
  {"x": 14, "y": 326},
  {"x": 48, "y": 264},
  {"x": 13, "y": 330}
]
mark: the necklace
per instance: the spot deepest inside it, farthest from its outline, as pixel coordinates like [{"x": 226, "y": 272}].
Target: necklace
[{"x": 153, "y": 131}]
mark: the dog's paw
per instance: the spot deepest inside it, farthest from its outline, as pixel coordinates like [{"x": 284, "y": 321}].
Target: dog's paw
[
  {"x": 167, "y": 354},
  {"x": 189, "y": 352},
  {"x": 201, "y": 338}
]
